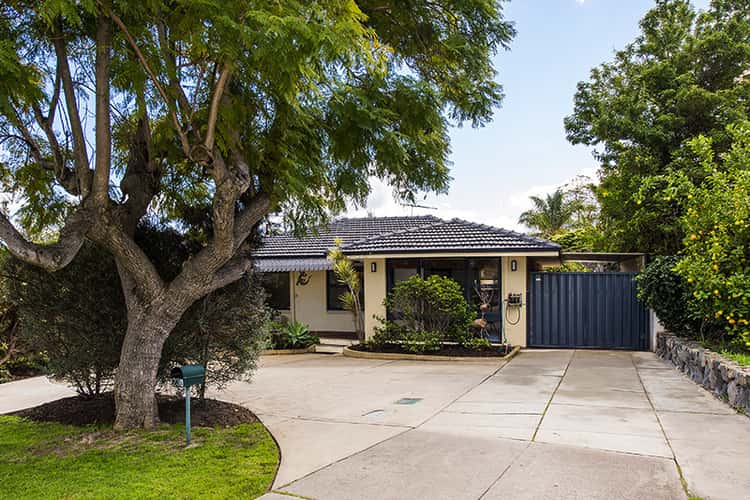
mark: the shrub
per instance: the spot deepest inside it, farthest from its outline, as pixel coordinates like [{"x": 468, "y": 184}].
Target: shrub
[
  {"x": 292, "y": 335},
  {"x": 224, "y": 331},
  {"x": 667, "y": 293},
  {"x": 476, "y": 343},
  {"x": 76, "y": 316},
  {"x": 424, "y": 313}
]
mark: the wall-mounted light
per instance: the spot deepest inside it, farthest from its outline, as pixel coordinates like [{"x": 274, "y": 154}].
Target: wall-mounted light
[
  {"x": 373, "y": 267},
  {"x": 514, "y": 265}
]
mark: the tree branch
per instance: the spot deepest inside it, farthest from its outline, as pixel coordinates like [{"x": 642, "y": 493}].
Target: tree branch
[
  {"x": 203, "y": 273},
  {"x": 230, "y": 272},
  {"x": 64, "y": 176},
  {"x": 80, "y": 152},
  {"x": 103, "y": 117},
  {"x": 51, "y": 257},
  {"x": 132, "y": 259},
  {"x": 171, "y": 65},
  {"x": 142, "y": 59},
  {"x": 141, "y": 179},
  {"x": 213, "y": 113}
]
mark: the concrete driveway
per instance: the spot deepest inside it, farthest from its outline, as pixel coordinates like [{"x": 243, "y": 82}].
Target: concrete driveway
[{"x": 548, "y": 424}]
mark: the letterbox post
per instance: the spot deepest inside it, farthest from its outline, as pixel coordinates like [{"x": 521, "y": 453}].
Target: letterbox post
[
  {"x": 188, "y": 376},
  {"x": 187, "y": 414}
]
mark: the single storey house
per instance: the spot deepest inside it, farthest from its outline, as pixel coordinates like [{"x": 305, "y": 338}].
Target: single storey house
[{"x": 485, "y": 260}]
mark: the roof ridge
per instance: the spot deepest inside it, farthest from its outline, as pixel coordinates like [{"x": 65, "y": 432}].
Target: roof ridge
[
  {"x": 505, "y": 232},
  {"x": 385, "y": 217},
  {"x": 435, "y": 223}
]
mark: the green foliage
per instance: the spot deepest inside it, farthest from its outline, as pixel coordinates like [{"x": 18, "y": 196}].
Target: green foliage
[
  {"x": 569, "y": 267},
  {"x": 476, "y": 343},
  {"x": 716, "y": 222},
  {"x": 684, "y": 75},
  {"x": 75, "y": 316},
  {"x": 550, "y": 215},
  {"x": 668, "y": 295},
  {"x": 347, "y": 275},
  {"x": 225, "y": 332},
  {"x": 92, "y": 462},
  {"x": 322, "y": 95},
  {"x": 740, "y": 357},
  {"x": 569, "y": 216},
  {"x": 291, "y": 335},
  {"x": 424, "y": 312}
]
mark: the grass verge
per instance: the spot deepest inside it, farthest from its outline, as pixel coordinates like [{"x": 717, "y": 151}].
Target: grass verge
[{"x": 51, "y": 460}]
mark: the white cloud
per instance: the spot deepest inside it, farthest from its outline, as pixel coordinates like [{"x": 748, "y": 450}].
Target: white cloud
[{"x": 500, "y": 211}]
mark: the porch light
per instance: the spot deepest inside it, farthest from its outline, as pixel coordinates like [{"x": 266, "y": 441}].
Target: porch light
[
  {"x": 373, "y": 267},
  {"x": 514, "y": 265}
]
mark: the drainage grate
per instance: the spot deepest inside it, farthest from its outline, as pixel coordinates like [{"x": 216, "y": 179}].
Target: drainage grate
[{"x": 408, "y": 401}]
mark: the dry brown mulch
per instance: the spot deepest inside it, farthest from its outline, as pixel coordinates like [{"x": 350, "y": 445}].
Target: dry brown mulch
[
  {"x": 100, "y": 410},
  {"x": 445, "y": 350}
]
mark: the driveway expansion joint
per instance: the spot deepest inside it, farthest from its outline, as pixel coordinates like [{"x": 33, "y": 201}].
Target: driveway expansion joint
[
  {"x": 552, "y": 396},
  {"x": 683, "y": 480}
]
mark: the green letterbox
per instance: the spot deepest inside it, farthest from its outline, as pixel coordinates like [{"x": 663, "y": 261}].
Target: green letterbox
[{"x": 188, "y": 376}]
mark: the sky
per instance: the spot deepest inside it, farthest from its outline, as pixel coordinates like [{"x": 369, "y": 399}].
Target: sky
[{"x": 523, "y": 151}]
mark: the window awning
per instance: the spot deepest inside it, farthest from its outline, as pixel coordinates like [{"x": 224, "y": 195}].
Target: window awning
[{"x": 293, "y": 264}]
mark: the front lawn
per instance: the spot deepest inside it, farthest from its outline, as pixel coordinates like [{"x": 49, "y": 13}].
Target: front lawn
[{"x": 52, "y": 460}]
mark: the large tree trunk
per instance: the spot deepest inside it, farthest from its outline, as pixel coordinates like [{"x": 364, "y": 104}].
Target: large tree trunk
[{"x": 135, "y": 384}]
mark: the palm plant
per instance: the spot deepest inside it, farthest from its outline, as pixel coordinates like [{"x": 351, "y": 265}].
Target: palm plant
[
  {"x": 550, "y": 215},
  {"x": 347, "y": 275}
]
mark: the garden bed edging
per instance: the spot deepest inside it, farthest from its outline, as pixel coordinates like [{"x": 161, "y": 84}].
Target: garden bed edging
[
  {"x": 426, "y": 357},
  {"x": 281, "y": 352},
  {"x": 726, "y": 379}
]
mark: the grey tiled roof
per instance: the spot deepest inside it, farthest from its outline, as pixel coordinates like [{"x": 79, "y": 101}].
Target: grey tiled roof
[
  {"x": 452, "y": 235},
  {"x": 349, "y": 230},
  {"x": 387, "y": 235}
]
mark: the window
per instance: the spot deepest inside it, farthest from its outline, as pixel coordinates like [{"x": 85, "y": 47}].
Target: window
[
  {"x": 335, "y": 289},
  {"x": 485, "y": 285},
  {"x": 277, "y": 289},
  {"x": 400, "y": 270}
]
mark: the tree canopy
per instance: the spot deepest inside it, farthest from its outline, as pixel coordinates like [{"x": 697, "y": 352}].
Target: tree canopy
[
  {"x": 209, "y": 115},
  {"x": 686, "y": 74},
  {"x": 550, "y": 215}
]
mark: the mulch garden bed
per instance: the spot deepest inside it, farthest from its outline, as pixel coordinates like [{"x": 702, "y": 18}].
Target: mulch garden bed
[
  {"x": 454, "y": 350},
  {"x": 100, "y": 410}
]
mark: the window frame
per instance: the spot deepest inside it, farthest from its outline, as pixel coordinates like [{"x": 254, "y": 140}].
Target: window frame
[{"x": 328, "y": 285}]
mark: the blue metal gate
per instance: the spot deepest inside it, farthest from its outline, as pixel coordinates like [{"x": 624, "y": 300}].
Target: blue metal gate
[{"x": 586, "y": 310}]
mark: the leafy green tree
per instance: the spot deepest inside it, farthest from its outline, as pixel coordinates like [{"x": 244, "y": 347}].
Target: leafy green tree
[
  {"x": 684, "y": 75},
  {"x": 209, "y": 116},
  {"x": 551, "y": 215},
  {"x": 716, "y": 221}
]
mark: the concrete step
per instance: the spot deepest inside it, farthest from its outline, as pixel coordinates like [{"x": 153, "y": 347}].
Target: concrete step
[
  {"x": 329, "y": 349},
  {"x": 333, "y": 345},
  {"x": 337, "y": 341}
]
